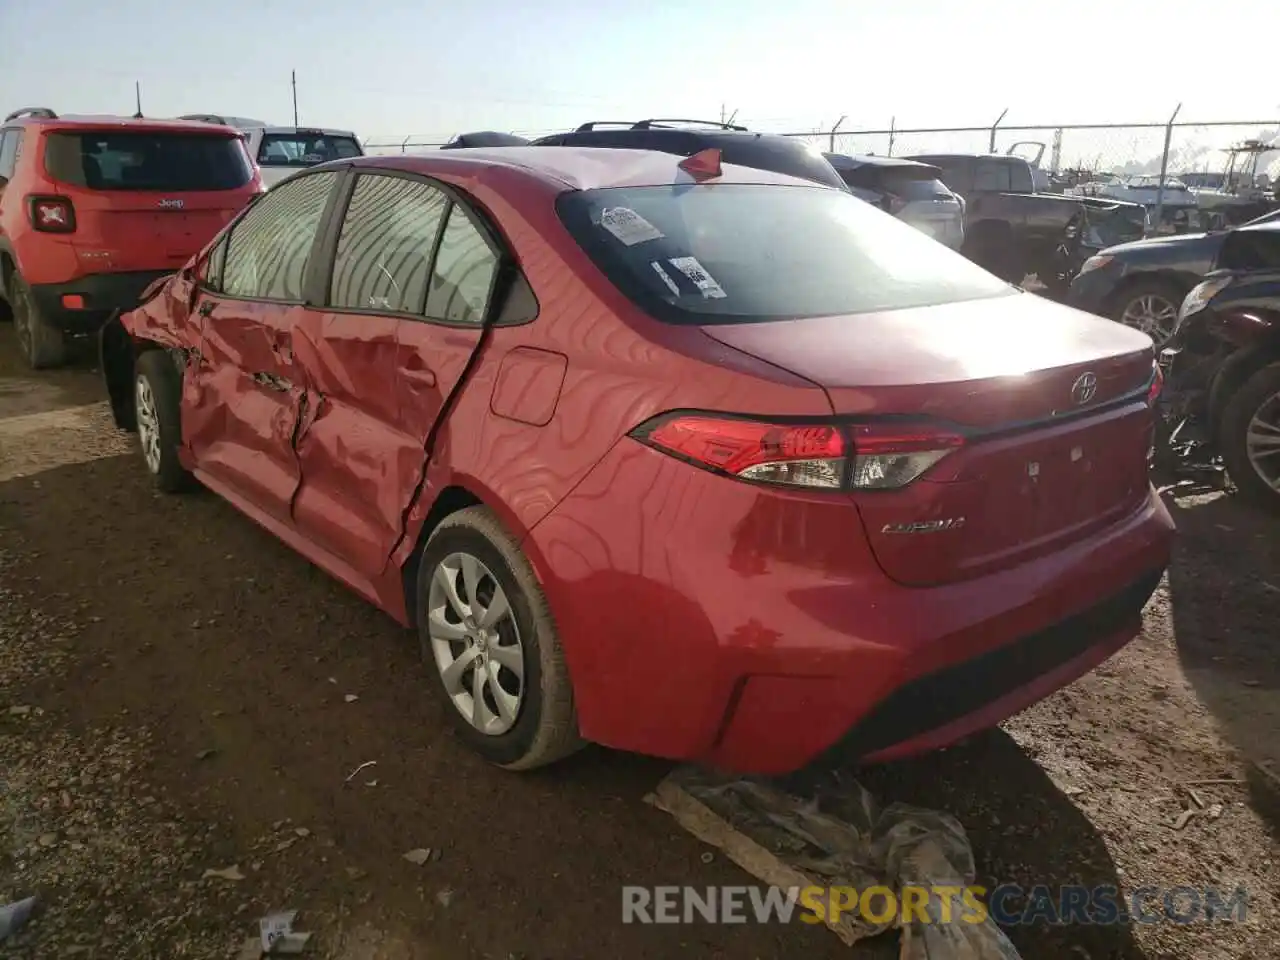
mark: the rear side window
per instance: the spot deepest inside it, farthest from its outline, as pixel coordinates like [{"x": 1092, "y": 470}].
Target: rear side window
[
  {"x": 161, "y": 162},
  {"x": 733, "y": 253},
  {"x": 1021, "y": 179},
  {"x": 991, "y": 176},
  {"x": 957, "y": 172},
  {"x": 384, "y": 248},
  {"x": 465, "y": 267},
  {"x": 906, "y": 184},
  {"x": 10, "y": 147},
  {"x": 304, "y": 149},
  {"x": 270, "y": 247}
]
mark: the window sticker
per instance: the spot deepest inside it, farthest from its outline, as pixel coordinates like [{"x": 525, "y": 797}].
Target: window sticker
[
  {"x": 628, "y": 226},
  {"x": 666, "y": 278},
  {"x": 692, "y": 269}
]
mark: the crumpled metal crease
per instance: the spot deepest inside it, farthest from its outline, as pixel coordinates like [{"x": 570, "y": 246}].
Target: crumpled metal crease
[{"x": 840, "y": 836}]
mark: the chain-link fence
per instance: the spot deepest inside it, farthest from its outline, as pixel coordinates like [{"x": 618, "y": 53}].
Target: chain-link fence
[
  {"x": 1137, "y": 148},
  {"x": 1125, "y": 149}
]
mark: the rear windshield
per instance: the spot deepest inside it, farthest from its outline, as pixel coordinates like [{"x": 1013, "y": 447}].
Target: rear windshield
[
  {"x": 304, "y": 149},
  {"x": 165, "y": 162},
  {"x": 906, "y": 184},
  {"x": 733, "y": 253}
]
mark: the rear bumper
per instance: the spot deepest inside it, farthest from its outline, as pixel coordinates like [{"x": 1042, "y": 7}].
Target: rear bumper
[
  {"x": 101, "y": 294},
  {"x": 709, "y": 620}
]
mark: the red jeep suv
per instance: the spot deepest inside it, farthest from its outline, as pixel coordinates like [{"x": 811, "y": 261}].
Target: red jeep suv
[
  {"x": 668, "y": 454},
  {"x": 93, "y": 209}
]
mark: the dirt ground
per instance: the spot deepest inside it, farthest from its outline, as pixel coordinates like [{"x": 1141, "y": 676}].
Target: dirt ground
[{"x": 180, "y": 693}]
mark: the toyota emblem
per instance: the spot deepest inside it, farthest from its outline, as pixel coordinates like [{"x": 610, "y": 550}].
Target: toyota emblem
[{"x": 1084, "y": 388}]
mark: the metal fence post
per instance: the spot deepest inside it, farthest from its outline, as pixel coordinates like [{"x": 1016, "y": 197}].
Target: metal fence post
[
  {"x": 404, "y": 147},
  {"x": 833, "y": 134},
  {"x": 1164, "y": 166},
  {"x": 992, "y": 148}
]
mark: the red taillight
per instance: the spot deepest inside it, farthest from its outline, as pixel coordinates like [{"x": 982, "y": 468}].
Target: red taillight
[
  {"x": 1157, "y": 384},
  {"x": 816, "y": 455},
  {"x": 51, "y": 214}
]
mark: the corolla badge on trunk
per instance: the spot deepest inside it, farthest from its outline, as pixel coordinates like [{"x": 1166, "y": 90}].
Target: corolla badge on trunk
[
  {"x": 176, "y": 204},
  {"x": 1084, "y": 388},
  {"x": 925, "y": 526}
]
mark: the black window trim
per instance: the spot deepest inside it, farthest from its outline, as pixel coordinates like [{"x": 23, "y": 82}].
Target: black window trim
[
  {"x": 227, "y": 232},
  {"x": 319, "y": 282}
]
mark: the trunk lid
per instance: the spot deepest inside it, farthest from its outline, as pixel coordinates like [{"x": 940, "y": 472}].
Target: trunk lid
[{"x": 1038, "y": 468}]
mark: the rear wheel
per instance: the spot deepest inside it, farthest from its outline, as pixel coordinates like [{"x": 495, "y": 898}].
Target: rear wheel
[
  {"x": 1250, "y": 437},
  {"x": 487, "y": 633},
  {"x": 42, "y": 346},
  {"x": 1150, "y": 306},
  {"x": 157, "y": 399}
]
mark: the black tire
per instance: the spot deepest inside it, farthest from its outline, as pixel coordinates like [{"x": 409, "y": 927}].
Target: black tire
[
  {"x": 1164, "y": 290},
  {"x": 1237, "y": 413},
  {"x": 546, "y": 726},
  {"x": 156, "y": 373},
  {"x": 43, "y": 347}
]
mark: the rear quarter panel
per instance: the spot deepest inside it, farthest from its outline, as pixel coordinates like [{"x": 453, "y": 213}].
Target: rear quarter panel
[{"x": 621, "y": 368}]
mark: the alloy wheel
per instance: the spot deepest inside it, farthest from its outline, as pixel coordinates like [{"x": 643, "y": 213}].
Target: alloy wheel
[
  {"x": 1262, "y": 441},
  {"x": 148, "y": 423},
  {"x": 1153, "y": 315},
  {"x": 476, "y": 643}
]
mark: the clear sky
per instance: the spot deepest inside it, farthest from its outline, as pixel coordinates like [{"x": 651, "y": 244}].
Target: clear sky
[{"x": 390, "y": 68}]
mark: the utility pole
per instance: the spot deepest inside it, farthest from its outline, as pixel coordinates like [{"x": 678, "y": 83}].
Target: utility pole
[
  {"x": 137, "y": 96},
  {"x": 293, "y": 79}
]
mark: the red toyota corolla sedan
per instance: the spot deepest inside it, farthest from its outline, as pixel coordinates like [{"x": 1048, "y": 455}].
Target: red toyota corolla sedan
[{"x": 688, "y": 459}]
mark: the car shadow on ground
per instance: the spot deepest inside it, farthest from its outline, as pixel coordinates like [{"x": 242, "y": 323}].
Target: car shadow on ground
[{"x": 1225, "y": 588}]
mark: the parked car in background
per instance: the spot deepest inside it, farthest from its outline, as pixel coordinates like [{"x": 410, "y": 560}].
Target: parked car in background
[
  {"x": 909, "y": 190},
  {"x": 485, "y": 138},
  {"x": 1142, "y": 284},
  {"x": 93, "y": 209},
  {"x": 643, "y": 475},
  {"x": 1222, "y": 389},
  {"x": 1014, "y": 231},
  {"x": 684, "y": 138},
  {"x": 283, "y": 151}
]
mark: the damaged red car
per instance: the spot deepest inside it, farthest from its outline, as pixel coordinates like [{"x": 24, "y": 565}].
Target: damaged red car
[{"x": 669, "y": 455}]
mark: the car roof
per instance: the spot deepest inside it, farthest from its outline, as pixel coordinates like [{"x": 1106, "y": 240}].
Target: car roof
[
  {"x": 71, "y": 122},
  {"x": 323, "y": 131},
  {"x": 1271, "y": 225},
  {"x": 852, "y": 161},
  {"x": 570, "y": 168},
  {"x": 968, "y": 156}
]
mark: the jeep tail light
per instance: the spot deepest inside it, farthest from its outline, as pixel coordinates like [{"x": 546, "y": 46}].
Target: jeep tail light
[
  {"x": 813, "y": 455},
  {"x": 51, "y": 214}
]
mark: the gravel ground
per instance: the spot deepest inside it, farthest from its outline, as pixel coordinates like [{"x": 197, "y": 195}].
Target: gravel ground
[{"x": 175, "y": 698}]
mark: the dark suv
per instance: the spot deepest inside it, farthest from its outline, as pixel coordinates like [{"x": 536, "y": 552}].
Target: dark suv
[{"x": 684, "y": 138}]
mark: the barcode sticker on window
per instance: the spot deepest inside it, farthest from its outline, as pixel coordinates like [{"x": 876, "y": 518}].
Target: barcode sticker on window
[
  {"x": 692, "y": 269},
  {"x": 628, "y": 226},
  {"x": 666, "y": 278}
]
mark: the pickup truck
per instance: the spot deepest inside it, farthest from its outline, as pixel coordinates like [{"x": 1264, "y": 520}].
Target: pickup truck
[{"x": 1013, "y": 230}]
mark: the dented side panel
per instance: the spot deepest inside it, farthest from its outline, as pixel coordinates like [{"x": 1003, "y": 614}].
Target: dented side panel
[
  {"x": 243, "y": 399},
  {"x": 361, "y": 454}
]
